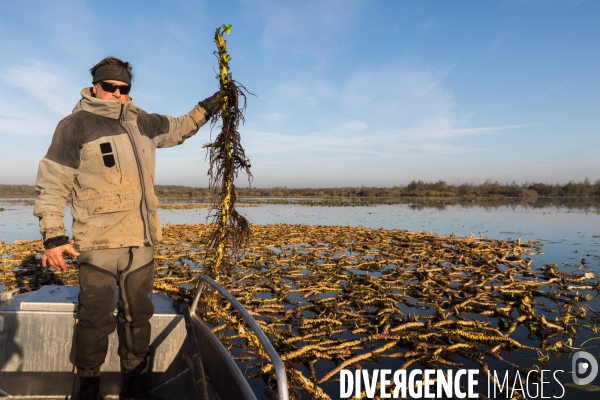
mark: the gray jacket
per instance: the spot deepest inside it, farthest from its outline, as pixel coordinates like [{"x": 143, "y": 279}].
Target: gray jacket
[{"x": 104, "y": 155}]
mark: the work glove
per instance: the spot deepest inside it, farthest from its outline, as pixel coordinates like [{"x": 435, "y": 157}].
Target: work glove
[{"x": 213, "y": 103}]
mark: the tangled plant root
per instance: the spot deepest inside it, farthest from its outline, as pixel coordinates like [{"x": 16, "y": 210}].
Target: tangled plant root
[{"x": 226, "y": 158}]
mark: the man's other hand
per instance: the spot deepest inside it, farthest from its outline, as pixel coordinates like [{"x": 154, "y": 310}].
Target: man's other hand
[{"x": 54, "y": 257}]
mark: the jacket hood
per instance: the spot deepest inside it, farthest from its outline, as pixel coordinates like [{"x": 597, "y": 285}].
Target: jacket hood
[{"x": 106, "y": 108}]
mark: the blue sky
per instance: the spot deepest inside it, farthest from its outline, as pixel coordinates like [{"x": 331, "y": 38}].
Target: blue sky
[{"x": 349, "y": 93}]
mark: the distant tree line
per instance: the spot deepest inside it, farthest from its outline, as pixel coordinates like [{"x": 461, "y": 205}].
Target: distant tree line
[
  {"x": 439, "y": 189},
  {"x": 17, "y": 191}
]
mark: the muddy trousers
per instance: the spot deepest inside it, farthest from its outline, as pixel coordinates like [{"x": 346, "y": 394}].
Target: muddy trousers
[{"x": 100, "y": 272}]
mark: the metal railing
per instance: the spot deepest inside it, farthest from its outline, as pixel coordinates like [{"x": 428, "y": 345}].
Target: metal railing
[{"x": 282, "y": 386}]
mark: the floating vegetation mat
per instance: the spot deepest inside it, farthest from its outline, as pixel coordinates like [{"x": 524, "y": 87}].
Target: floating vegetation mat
[
  {"x": 333, "y": 297},
  {"x": 191, "y": 206},
  {"x": 325, "y": 202}
]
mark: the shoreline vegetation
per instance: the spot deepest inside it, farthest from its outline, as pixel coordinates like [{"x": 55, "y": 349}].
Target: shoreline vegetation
[{"x": 439, "y": 190}]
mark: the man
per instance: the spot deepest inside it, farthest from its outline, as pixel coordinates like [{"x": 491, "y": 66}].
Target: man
[{"x": 103, "y": 154}]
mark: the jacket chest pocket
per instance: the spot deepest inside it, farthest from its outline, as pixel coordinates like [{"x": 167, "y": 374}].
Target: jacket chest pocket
[
  {"x": 100, "y": 159},
  {"x": 109, "y": 161},
  {"x": 108, "y": 155}
]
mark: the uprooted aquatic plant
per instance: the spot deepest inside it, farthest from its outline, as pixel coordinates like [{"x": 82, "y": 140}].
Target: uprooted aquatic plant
[{"x": 227, "y": 157}]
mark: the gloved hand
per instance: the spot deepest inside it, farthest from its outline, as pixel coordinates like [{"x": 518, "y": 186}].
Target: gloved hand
[{"x": 213, "y": 103}]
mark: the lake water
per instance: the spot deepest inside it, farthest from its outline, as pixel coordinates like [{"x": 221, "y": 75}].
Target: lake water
[{"x": 570, "y": 235}]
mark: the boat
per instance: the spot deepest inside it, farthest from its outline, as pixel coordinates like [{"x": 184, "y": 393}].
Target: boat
[{"x": 37, "y": 342}]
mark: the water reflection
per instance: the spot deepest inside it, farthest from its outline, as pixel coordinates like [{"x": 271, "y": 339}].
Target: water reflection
[{"x": 586, "y": 205}]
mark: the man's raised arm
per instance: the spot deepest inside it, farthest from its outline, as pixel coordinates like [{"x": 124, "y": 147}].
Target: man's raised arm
[{"x": 173, "y": 131}]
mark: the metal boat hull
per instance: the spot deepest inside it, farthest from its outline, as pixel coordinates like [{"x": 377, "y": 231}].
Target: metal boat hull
[{"x": 37, "y": 347}]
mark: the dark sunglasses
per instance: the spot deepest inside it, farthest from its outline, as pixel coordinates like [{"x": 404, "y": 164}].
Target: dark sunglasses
[{"x": 111, "y": 88}]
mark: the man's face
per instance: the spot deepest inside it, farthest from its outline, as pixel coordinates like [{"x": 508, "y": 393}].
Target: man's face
[{"x": 104, "y": 95}]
